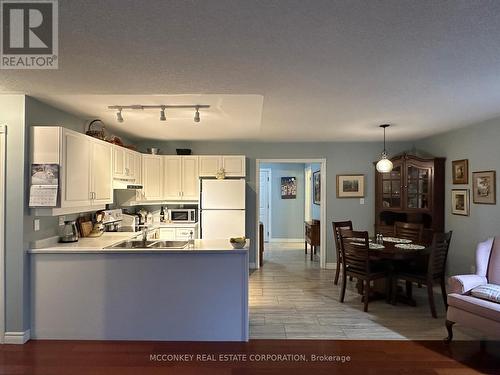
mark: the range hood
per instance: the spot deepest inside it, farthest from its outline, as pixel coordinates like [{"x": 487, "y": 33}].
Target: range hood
[{"x": 125, "y": 185}]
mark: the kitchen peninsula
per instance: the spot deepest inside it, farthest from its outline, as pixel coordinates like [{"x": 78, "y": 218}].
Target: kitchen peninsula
[{"x": 89, "y": 291}]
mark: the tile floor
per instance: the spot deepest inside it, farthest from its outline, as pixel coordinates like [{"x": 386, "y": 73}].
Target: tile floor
[{"x": 291, "y": 297}]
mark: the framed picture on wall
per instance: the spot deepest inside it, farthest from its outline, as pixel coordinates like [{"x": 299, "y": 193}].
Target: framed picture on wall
[
  {"x": 460, "y": 171},
  {"x": 317, "y": 187},
  {"x": 351, "y": 186},
  {"x": 460, "y": 202},
  {"x": 484, "y": 187},
  {"x": 288, "y": 187}
]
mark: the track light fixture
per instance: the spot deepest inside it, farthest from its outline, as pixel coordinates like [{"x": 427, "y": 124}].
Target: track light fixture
[
  {"x": 197, "y": 115},
  {"x": 119, "y": 116},
  {"x": 161, "y": 107}
]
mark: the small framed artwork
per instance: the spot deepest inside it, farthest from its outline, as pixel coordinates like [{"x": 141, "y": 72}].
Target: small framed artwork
[
  {"x": 351, "y": 186},
  {"x": 460, "y": 171},
  {"x": 484, "y": 187},
  {"x": 288, "y": 187},
  {"x": 460, "y": 202},
  {"x": 317, "y": 187}
]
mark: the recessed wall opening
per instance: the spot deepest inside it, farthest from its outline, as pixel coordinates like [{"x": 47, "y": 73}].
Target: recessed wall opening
[{"x": 291, "y": 193}]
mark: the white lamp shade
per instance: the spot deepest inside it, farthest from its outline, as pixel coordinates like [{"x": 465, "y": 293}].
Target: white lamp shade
[{"x": 384, "y": 165}]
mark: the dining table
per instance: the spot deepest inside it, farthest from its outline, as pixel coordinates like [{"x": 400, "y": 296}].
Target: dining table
[{"x": 394, "y": 252}]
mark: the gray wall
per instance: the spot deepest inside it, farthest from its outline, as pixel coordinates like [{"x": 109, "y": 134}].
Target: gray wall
[
  {"x": 479, "y": 144},
  {"x": 351, "y": 157},
  {"x": 287, "y": 215}
]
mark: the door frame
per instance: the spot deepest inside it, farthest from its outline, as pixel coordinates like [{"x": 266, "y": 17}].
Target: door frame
[
  {"x": 269, "y": 196},
  {"x": 3, "y": 169},
  {"x": 322, "y": 163},
  {"x": 308, "y": 193}
]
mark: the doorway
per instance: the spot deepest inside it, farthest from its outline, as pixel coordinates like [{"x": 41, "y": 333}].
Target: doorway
[
  {"x": 265, "y": 201},
  {"x": 2, "y": 232},
  {"x": 280, "y": 182}
]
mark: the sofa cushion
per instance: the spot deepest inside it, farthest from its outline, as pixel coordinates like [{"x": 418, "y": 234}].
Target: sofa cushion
[
  {"x": 491, "y": 292},
  {"x": 477, "y": 306},
  {"x": 494, "y": 265}
]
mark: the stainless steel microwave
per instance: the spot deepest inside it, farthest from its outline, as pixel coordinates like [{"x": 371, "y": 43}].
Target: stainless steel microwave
[{"x": 183, "y": 215}]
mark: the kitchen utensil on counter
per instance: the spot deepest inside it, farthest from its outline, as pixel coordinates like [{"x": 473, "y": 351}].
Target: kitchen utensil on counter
[
  {"x": 69, "y": 232},
  {"x": 154, "y": 150},
  {"x": 99, "y": 227}
]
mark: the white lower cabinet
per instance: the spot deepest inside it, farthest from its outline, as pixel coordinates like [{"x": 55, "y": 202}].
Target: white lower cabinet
[{"x": 178, "y": 234}]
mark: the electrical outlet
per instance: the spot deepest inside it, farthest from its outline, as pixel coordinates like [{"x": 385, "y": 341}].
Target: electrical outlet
[
  {"x": 36, "y": 225},
  {"x": 62, "y": 219},
  {"x": 361, "y": 200}
]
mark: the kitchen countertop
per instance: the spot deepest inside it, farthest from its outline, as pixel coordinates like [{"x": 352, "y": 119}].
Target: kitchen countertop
[{"x": 99, "y": 245}]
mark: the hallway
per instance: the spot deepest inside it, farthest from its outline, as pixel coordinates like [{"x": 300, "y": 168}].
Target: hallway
[{"x": 291, "y": 297}]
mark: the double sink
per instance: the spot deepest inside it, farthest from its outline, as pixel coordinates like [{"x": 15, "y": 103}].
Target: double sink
[{"x": 149, "y": 244}]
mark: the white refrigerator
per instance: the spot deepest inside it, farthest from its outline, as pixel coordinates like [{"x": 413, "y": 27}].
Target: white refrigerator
[{"x": 222, "y": 208}]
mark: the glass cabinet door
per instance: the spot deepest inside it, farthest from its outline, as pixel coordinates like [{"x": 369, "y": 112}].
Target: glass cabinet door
[
  {"x": 392, "y": 187},
  {"x": 418, "y": 187}
]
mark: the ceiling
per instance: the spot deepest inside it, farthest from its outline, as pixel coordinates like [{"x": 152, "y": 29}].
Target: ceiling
[{"x": 326, "y": 70}]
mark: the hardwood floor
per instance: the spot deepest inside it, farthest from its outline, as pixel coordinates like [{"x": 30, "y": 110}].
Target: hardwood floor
[
  {"x": 292, "y": 298},
  {"x": 255, "y": 357}
]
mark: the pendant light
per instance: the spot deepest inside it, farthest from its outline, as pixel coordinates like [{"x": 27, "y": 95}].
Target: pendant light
[{"x": 384, "y": 165}]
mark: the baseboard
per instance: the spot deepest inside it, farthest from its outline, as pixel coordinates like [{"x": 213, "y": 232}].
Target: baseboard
[
  {"x": 274, "y": 239},
  {"x": 331, "y": 266},
  {"x": 252, "y": 266},
  {"x": 18, "y": 338}
]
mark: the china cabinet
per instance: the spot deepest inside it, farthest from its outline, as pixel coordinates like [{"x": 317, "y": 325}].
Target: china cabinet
[{"x": 413, "y": 192}]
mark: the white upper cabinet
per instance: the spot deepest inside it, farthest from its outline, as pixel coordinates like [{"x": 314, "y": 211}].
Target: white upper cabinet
[
  {"x": 209, "y": 165},
  {"x": 190, "y": 178},
  {"x": 100, "y": 171},
  {"x": 180, "y": 178},
  {"x": 118, "y": 162},
  {"x": 233, "y": 165},
  {"x": 75, "y": 170},
  {"x": 138, "y": 167},
  {"x": 126, "y": 164},
  {"x": 85, "y": 167},
  {"x": 172, "y": 177},
  {"x": 152, "y": 177}
]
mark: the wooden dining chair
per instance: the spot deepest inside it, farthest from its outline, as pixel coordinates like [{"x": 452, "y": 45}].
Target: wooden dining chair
[
  {"x": 337, "y": 225},
  {"x": 356, "y": 262},
  {"x": 432, "y": 274},
  {"x": 409, "y": 231}
]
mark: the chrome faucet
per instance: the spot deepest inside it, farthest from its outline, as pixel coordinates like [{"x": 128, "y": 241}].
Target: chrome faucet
[{"x": 144, "y": 231}]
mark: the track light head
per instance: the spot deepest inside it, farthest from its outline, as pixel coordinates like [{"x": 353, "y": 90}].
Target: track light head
[
  {"x": 197, "y": 115},
  {"x": 119, "y": 116},
  {"x": 162, "y": 114}
]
